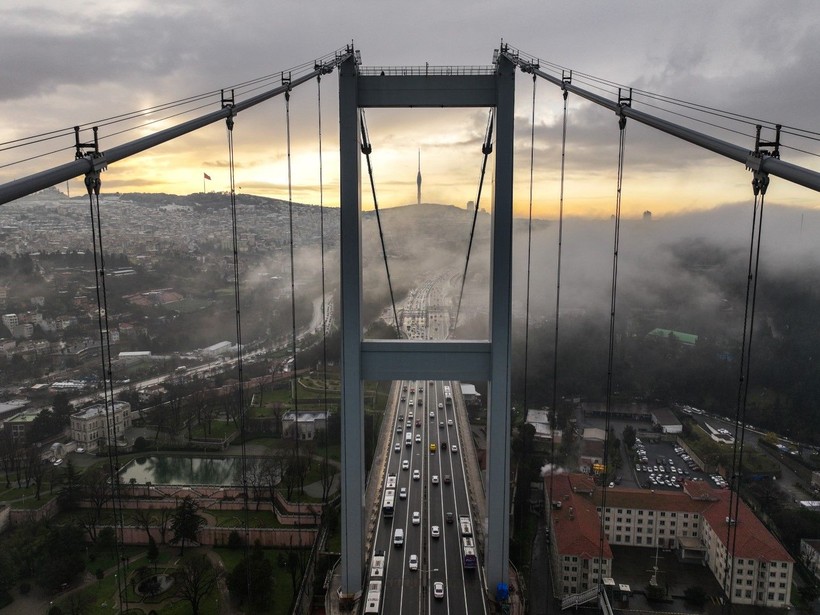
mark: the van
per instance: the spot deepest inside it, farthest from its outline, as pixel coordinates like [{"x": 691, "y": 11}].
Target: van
[{"x": 398, "y": 538}]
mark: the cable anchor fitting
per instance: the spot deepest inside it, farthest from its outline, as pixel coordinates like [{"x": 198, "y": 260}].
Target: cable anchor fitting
[
  {"x": 92, "y": 153},
  {"x": 566, "y": 80},
  {"x": 228, "y": 103},
  {"x": 755, "y": 160},
  {"x": 623, "y": 101}
]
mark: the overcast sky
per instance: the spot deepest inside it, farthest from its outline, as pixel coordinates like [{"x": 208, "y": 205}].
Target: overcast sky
[{"x": 65, "y": 64}]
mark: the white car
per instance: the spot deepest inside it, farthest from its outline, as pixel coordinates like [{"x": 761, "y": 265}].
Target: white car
[
  {"x": 410, "y": 403},
  {"x": 438, "y": 590},
  {"x": 396, "y": 447},
  {"x": 416, "y": 517},
  {"x": 416, "y": 475},
  {"x": 418, "y": 437},
  {"x": 449, "y": 422},
  {"x": 440, "y": 405},
  {"x": 454, "y": 449},
  {"x": 435, "y": 532},
  {"x": 435, "y": 479},
  {"x": 403, "y": 493},
  {"x": 414, "y": 562},
  {"x": 80, "y": 449},
  {"x": 405, "y": 465}
]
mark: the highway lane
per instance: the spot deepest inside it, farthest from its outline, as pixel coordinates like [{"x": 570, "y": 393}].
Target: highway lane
[{"x": 440, "y": 559}]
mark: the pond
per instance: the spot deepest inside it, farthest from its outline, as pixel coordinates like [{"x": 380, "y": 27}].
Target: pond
[{"x": 179, "y": 470}]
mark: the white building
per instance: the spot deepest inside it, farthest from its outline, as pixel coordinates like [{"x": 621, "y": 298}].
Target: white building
[
  {"x": 308, "y": 424},
  {"x": 693, "y": 523},
  {"x": 540, "y": 420},
  {"x": 90, "y": 429}
]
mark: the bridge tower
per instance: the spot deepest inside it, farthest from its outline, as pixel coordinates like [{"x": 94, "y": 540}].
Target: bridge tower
[{"x": 364, "y": 359}]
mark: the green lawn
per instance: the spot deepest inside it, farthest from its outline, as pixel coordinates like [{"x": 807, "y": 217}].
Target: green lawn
[{"x": 236, "y": 518}]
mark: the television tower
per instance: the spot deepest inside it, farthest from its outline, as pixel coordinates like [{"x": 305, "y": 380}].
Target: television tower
[{"x": 418, "y": 182}]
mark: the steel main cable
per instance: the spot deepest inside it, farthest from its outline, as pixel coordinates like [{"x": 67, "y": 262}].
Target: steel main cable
[
  {"x": 367, "y": 148},
  {"x": 611, "y": 348},
  {"x": 61, "y": 132},
  {"x": 486, "y": 149},
  {"x": 554, "y": 418}
]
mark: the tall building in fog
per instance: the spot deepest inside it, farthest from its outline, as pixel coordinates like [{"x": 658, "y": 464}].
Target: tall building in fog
[{"x": 418, "y": 182}]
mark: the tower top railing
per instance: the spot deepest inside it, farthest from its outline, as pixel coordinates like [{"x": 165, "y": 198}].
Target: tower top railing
[{"x": 425, "y": 71}]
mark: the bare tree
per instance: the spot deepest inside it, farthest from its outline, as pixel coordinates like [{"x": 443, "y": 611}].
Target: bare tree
[
  {"x": 144, "y": 518},
  {"x": 197, "y": 578}
]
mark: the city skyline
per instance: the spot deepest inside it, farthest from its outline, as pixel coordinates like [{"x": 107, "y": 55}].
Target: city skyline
[{"x": 163, "y": 53}]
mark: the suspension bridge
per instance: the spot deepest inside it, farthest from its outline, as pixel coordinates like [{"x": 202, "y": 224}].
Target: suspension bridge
[{"x": 439, "y": 363}]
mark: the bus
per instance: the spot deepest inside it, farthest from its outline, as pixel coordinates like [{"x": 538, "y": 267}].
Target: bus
[
  {"x": 468, "y": 549},
  {"x": 391, "y": 481},
  {"x": 448, "y": 395},
  {"x": 389, "y": 499},
  {"x": 377, "y": 565},
  {"x": 466, "y": 526},
  {"x": 373, "y": 599}
]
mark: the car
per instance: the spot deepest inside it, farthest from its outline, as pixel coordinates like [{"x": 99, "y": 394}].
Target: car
[
  {"x": 410, "y": 403},
  {"x": 418, "y": 422},
  {"x": 413, "y": 563},
  {"x": 397, "y": 447},
  {"x": 405, "y": 465},
  {"x": 403, "y": 493},
  {"x": 454, "y": 449},
  {"x": 440, "y": 406},
  {"x": 403, "y": 398},
  {"x": 408, "y": 424},
  {"x": 441, "y": 424},
  {"x": 416, "y": 517},
  {"x": 80, "y": 449},
  {"x": 418, "y": 437},
  {"x": 432, "y": 414},
  {"x": 438, "y": 590},
  {"x": 449, "y": 422},
  {"x": 434, "y": 480},
  {"x": 398, "y": 429},
  {"x": 446, "y": 479},
  {"x": 435, "y": 531},
  {"x": 449, "y": 517},
  {"x": 58, "y": 462},
  {"x": 410, "y": 414},
  {"x": 416, "y": 475},
  {"x": 421, "y": 402},
  {"x": 401, "y": 417}
]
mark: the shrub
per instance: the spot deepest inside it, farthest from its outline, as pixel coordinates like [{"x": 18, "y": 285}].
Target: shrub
[{"x": 235, "y": 540}]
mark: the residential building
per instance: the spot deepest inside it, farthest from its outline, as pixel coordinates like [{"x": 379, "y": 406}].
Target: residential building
[
  {"x": 20, "y": 424},
  {"x": 694, "y": 523},
  {"x": 90, "y": 429}
]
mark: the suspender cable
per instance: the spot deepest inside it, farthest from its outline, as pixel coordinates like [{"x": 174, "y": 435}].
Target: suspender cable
[
  {"x": 529, "y": 256},
  {"x": 240, "y": 397},
  {"x": 295, "y": 376},
  {"x": 759, "y": 185},
  {"x": 92, "y": 182},
  {"x": 486, "y": 149},
  {"x": 366, "y": 149},
  {"x": 611, "y": 350},
  {"x": 554, "y": 417},
  {"x": 326, "y": 468}
]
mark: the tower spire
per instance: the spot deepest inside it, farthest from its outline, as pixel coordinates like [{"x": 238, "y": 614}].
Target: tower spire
[{"x": 418, "y": 182}]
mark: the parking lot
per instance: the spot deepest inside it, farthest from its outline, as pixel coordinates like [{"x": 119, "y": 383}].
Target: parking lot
[{"x": 664, "y": 466}]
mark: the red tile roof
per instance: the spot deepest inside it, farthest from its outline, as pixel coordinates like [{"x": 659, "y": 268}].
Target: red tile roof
[
  {"x": 576, "y": 523},
  {"x": 580, "y": 535}
]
